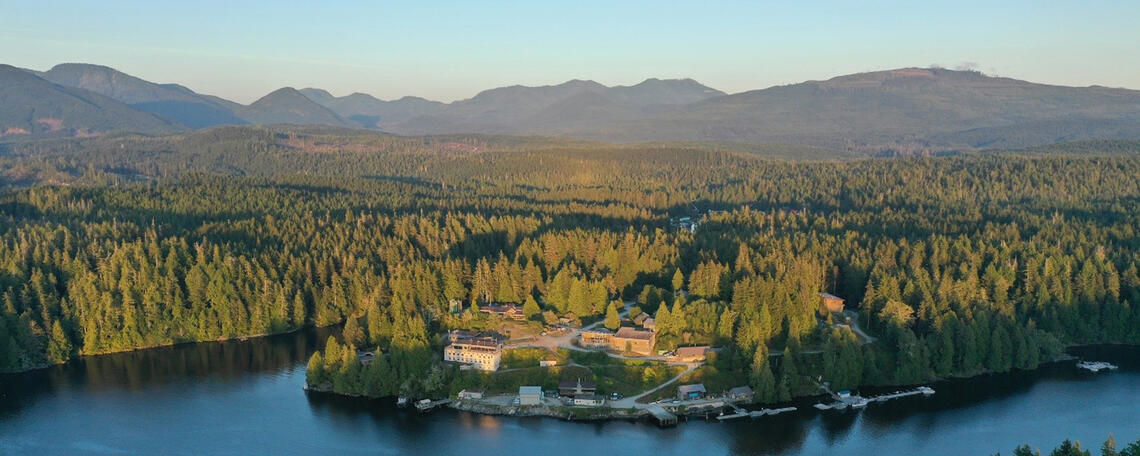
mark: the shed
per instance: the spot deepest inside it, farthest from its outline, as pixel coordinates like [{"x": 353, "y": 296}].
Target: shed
[
  {"x": 590, "y": 400},
  {"x": 470, "y": 394},
  {"x": 691, "y": 392},
  {"x": 530, "y": 395},
  {"x": 692, "y": 354},
  {"x": 834, "y": 304},
  {"x": 741, "y": 393},
  {"x": 575, "y": 388}
]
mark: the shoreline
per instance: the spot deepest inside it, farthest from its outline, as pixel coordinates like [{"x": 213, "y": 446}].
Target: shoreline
[
  {"x": 164, "y": 345},
  {"x": 606, "y": 413},
  {"x": 565, "y": 413}
]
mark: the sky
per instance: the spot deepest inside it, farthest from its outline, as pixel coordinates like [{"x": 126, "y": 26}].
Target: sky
[{"x": 445, "y": 50}]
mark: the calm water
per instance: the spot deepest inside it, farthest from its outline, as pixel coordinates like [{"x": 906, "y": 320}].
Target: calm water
[{"x": 246, "y": 398}]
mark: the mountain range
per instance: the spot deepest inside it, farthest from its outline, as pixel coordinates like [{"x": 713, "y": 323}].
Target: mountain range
[{"x": 883, "y": 110}]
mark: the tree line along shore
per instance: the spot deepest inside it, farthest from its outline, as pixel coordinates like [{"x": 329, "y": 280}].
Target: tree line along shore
[{"x": 955, "y": 265}]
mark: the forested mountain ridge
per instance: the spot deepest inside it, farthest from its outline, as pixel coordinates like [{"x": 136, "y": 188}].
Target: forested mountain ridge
[
  {"x": 556, "y": 109},
  {"x": 289, "y": 106},
  {"x": 370, "y": 112},
  {"x": 959, "y": 265},
  {"x": 171, "y": 101},
  {"x": 915, "y": 106},
  {"x": 31, "y": 106},
  {"x": 905, "y": 111}
]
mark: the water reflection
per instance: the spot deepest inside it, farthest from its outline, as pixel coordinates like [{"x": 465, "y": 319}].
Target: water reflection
[{"x": 247, "y": 395}]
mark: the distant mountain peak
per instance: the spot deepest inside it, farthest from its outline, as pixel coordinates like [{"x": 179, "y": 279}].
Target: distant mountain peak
[
  {"x": 316, "y": 94},
  {"x": 288, "y": 105},
  {"x": 31, "y": 106}
]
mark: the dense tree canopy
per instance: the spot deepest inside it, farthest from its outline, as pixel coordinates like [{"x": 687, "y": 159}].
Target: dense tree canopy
[{"x": 957, "y": 265}]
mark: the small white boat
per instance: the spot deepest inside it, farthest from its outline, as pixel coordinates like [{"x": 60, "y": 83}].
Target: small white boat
[
  {"x": 1096, "y": 366},
  {"x": 926, "y": 390}
]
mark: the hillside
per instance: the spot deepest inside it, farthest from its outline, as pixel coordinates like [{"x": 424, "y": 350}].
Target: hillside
[
  {"x": 288, "y": 106},
  {"x": 33, "y": 107},
  {"x": 370, "y": 112},
  {"x": 907, "y": 106},
  {"x": 171, "y": 101},
  {"x": 895, "y": 112},
  {"x": 558, "y": 109}
]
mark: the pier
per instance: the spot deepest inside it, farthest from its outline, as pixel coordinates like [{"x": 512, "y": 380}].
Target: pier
[
  {"x": 1096, "y": 366},
  {"x": 845, "y": 399},
  {"x": 664, "y": 417},
  {"x": 427, "y": 405},
  {"x": 739, "y": 412},
  {"x": 922, "y": 390}
]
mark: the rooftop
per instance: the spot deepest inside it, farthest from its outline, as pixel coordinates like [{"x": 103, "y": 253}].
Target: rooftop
[
  {"x": 692, "y": 351},
  {"x": 476, "y": 344},
  {"x": 575, "y": 383},
  {"x": 630, "y": 333},
  {"x": 530, "y": 390},
  {"x": 829, "y": 296},
  {"x": 694, "y": 388},
  {"x": 500, "y": 308}
]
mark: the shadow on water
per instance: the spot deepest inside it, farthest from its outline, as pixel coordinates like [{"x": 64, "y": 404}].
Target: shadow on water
[
  {"x": 267, "y": 372},
  {"x": 227, "y": 361}
]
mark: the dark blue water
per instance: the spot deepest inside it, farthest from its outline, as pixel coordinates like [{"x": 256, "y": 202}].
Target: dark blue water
[{"x": 246, "y": 398}]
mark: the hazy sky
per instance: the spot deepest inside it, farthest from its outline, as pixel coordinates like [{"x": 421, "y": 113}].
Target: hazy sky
[{"x": 450, "y": 50}]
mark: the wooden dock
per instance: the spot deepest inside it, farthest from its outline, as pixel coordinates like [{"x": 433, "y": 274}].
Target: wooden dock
[
  {"x": 860, "y": 402},
  {"x": 922, "y": 390},
  {"x": 740, "y": 412},
  {"x": 428, "y": 405},
  {"x": 663, "y": 417}
]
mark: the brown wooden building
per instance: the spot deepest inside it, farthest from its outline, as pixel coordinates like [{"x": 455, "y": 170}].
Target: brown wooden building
[
  {"x": 832, "y": 303},
  {"x": 634, "y": 341}
]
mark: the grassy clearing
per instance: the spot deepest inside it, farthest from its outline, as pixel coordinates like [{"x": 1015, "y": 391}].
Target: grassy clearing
[{"x": 516, "y": 358}]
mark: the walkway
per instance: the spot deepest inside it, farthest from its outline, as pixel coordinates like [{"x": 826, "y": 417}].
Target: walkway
[
  {"x": 566, "y": 341},
  {"x": 854, "y": 316},
  {"x": 632, "y": 400}
]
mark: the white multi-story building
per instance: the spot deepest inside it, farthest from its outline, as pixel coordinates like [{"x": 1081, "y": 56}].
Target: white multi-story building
[{"x": 483, "y": 352}]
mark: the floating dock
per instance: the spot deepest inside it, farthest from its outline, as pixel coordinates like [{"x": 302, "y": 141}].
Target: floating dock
[
  {"x": 740, "y": 412},
  {"x": 1096, "y": 366},
  {"x": 428, "y": 405},
  {"x": 843, "y": 401},
  {"x": 922, "y": 390}
]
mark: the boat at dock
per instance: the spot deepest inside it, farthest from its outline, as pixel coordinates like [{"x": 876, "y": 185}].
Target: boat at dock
[{"x": 1096, "y": 366}]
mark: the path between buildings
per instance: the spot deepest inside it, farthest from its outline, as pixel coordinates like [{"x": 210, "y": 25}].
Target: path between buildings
[
  {"x": 632, "y": 400},
  {"x": 567, "y": 341},
  {"x": 854, "y": 316}
]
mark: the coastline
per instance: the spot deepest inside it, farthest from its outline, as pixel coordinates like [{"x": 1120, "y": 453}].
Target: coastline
[
  {"x": 605, "y": 413},
  {"x": 571, "y": 413},
  {"x": 163, "y": 345},
  {"x": 559, "y": 412}
]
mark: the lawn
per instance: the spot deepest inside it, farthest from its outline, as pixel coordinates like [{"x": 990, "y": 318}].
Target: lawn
[{"x": 528, "y": 357}]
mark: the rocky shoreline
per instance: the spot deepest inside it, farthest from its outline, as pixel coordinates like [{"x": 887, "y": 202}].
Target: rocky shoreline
[{"x": 560, "y": 412}]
